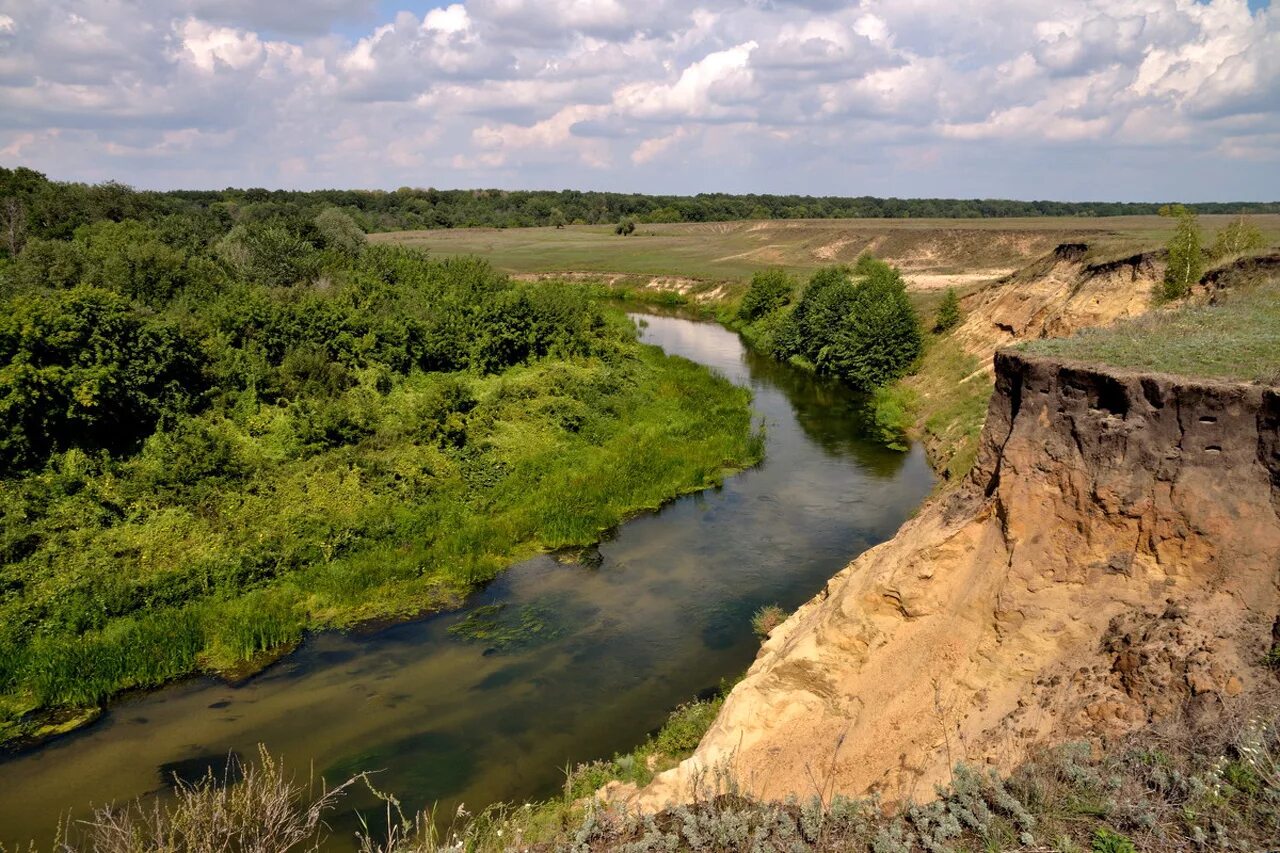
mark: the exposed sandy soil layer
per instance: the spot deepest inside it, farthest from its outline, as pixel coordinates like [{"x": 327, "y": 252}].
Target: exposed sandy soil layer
[{"x": 1057, "y": 295}]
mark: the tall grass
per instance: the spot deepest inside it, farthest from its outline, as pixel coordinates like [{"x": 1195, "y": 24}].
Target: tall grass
[{"x": 1174, "y": 786}]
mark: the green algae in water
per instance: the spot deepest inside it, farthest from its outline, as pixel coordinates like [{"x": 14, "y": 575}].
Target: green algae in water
[{"x": 502, "y": 628}]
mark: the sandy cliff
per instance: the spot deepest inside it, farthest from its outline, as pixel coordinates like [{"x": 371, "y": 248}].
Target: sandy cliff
[
  {"x": 1112, "y": 559},
  {"x": 1057, "y": 295}
]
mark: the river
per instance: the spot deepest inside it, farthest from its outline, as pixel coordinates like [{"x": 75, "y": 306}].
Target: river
[{"x": 661, "y": 614}]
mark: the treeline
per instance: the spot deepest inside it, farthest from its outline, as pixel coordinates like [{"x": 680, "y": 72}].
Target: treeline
[
  {"x": 33, "y": 206},
  {"x": 220, "y": 428}
]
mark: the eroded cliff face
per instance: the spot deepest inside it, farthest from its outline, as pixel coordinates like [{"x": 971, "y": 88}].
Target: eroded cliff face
[
  {"x": 1057, "y": 295},
  {"x": 1113, "y": 559}
]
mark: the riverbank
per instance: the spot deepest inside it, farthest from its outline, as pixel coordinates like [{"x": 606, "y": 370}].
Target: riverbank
[
  {"x": 394, "y": 526},
  {"x": 657, "y": 614}
]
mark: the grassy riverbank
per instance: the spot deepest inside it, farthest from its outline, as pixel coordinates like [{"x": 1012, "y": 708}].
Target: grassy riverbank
[
  {"x": 217, "y": 435},
  {"x": 540, "y": 457}
]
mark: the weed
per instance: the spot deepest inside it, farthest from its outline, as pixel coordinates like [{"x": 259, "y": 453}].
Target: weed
[{"x": 764, "y": 620}]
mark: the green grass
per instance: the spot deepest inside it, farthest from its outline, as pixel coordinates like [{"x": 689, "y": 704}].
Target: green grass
[
  {"x": 1236, "y": 339},
  {"x": 112, "y": 585}
]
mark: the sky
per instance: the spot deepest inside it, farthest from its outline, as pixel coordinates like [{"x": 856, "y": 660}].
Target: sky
[{"x": 1143, "y": 100}]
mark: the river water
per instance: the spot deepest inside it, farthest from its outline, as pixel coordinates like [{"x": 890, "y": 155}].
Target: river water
[{"x": 661, "y": 614}]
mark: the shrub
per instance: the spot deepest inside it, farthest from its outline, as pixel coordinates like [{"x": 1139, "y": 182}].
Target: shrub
[
  {"x": 625, "y": 226},
  {"x": 764, "y": 620},
  {"x": 1239, "y": 235},
  {"x": 889, "y": 416},
  {"x": 769, "y": 291},
  {"x": 1108, "y": 841},
  {"x": 340, "y": 231},
  {"x": 948, "y": 312},
  {"x": 857, "y": 324}
]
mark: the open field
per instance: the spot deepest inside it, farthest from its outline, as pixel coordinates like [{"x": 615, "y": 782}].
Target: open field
[{"x": 932, "y": 252}]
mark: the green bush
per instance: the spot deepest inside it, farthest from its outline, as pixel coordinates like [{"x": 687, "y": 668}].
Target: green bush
[
  {"x": 855, "y": 323},
  {"x": 769, "y": 291},
  {"x": 1108, "y": 841},
  {"x": 948, "y": 312}
]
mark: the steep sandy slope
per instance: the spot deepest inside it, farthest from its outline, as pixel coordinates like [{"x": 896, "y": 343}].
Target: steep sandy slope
[
  {"x": 1112, "y": 559},
  {"x": 1057, "y": 295}
]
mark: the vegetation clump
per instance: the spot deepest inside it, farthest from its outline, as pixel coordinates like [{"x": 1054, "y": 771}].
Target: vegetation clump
[
  {"x": 854, "y": 323},
  {"x": 948, "y": 316},
  {"x": 1236, "y": 238},
  {"x": 764, "y": 620},
  {"x": 769, "y": 291}
]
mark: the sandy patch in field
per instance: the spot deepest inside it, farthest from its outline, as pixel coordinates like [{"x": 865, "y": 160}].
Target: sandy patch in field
[{"x": 939, "y": 281}]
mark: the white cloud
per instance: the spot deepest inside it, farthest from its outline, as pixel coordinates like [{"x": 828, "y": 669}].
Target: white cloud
[
  {"x": 890, "y": 96},
  {"x": 206, "y": 45},
  {"x": 708, "y": 88}
]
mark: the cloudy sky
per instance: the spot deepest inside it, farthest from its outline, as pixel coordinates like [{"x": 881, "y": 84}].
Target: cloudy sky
[{"x": 1067, "y": 99}]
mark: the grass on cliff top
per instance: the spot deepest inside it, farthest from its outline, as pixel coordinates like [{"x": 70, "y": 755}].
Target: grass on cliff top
[{"x": 1238, "y": 338}]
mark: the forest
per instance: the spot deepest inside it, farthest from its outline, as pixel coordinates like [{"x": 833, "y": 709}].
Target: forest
[
  {"x": 31, "y": 206},
  {"x": 222, "y": 426}
]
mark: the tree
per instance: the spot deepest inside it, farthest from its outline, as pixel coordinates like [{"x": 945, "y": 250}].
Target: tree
[
  {"x": 948, "y": 312},
  {"x": 769, "y": 291},
  {"x": 339, "y": 231},
  {"x": 557, "y": 218},
  {"x": 78, "y": 368},
  {"x": 1240, "y": 235},
  {"x": 878, "y": 338},
  {"x": 625, "y": 226},
  {"x": 1186, "y": 261},
  {"x": 271, "y": 254},
  {"x": 13, "y": 219}
]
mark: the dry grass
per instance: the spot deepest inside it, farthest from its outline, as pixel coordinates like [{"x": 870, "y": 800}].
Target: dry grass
[{"x": 1181, "y": 785}]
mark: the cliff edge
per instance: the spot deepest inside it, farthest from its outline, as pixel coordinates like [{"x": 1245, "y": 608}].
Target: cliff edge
[{"x": 1112, "y": 559}]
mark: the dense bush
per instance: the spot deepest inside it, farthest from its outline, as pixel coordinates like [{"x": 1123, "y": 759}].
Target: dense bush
[
  {"x": 80, "y": 368},
  {"x": 853, "y": 323},
  {"x": 769, "y": 291}
]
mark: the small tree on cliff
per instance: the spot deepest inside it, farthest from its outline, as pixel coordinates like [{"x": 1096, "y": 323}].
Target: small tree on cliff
[
  {"x": 1240, "y": 235},
  {"x": 1186, "y": 258},
  {"x": 948, "y": 312}
]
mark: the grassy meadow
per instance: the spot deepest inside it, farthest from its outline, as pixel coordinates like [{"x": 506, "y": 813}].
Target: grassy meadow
[{"x": 732, "y": 251}]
